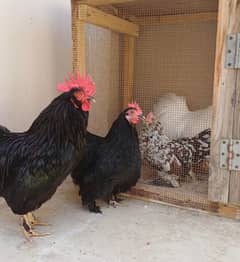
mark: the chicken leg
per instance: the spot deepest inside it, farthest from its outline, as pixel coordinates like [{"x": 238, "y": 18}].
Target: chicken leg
[
  {"x": 114, "y": 200},
  {"x": 28, "y": 222},
  {"x": 34, "y": 221}
]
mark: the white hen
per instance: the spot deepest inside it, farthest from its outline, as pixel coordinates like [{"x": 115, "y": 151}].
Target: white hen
[{"x": 178, "y": 120}]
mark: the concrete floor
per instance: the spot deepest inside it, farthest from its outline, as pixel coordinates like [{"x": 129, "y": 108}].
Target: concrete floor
[{"x": 136, "y": 231}]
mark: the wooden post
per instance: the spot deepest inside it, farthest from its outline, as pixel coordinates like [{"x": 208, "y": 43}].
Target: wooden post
[
  {"x": 128, "y": 69},
  {"x": 234, "y": 189},
  {"x": 79, "y": 40},
  {"x": 225, "y": 117}
]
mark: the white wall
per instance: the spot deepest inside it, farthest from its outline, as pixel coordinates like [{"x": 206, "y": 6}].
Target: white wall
[{"x": 35, "y": 54}]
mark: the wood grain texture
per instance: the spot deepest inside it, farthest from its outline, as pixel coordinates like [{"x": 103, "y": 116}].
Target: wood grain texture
[
  {"x": 154, "y": 194},
  {"x": 175, "y": 19},
  {"x": 128, "y": 69},
  {"x": 102, "y": 2},
  {"x": 234, "y": 189},
  {"x": 224, "y": 94},
  {"x": 166, "y": 7},
  {"x": 97, "y": 17},
  {"x": 79, "y": 41}
]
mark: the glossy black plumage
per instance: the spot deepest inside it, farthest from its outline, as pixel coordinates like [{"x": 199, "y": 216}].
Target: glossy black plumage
[
  {"x": 34, "y": 163},
  {"x": 110, "y": 165}
]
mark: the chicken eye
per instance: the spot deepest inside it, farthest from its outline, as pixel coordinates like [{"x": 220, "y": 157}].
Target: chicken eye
[{"x": 130, "y": 112}]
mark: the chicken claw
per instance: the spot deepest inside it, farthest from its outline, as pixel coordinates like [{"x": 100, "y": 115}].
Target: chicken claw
[
  {"x": 114, "y": 203},
  {"x": 27, "y": 228},
  {"x": 118, "y": 199},
  {"x": 94, "y": 208},
  {"x": 34, "y": 221}
]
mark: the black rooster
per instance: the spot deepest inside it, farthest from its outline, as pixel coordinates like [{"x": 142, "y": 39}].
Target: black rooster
[
  {"x": 112, "y": 164},
  {"x": 34, "y": 163}
]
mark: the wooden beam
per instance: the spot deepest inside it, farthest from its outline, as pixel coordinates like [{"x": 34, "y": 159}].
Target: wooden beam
[
  {"x": 97, "y": 17},
  {"x": 103, "y": 2},
  {"x": 225, "y": 82},
  {"x": 234, "y": 190},
  {"x": 184, "y": 200},
  {"x": 79, "y": 41},
  {"x": 128, "y": 69},
  {"x": 175, "y": 19}
]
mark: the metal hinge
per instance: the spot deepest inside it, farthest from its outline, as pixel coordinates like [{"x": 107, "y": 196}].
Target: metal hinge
[
  {"x": 232, "y": 57},
  {"x": 230, "y": 154}
]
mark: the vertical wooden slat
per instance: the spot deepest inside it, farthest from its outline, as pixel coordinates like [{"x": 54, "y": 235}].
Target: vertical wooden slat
[
  {"x": 128, "y": 69},
  {"x": 234, "y": 189},
  {"x": 79, "y": 40},
  {"x": 224, "y": 93}
]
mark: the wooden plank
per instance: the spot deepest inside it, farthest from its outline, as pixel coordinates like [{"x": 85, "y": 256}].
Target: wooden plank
[
  {"x": 175, "y": 19},
  {"x": 234, "y": 190},
  {"x": 128, "y": 69},
  {"x": 183, "y": 200},
  {"x": 103, "y": 2},
  {"x": 224, "y": 92},
  {"x": 97, "y": 17},
  {"x": 79, "y": 41}
]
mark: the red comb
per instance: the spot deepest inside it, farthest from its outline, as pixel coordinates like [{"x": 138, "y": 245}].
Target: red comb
[
  {"x": 82, "y": 82},
  {"x": 136, "y": 107}
]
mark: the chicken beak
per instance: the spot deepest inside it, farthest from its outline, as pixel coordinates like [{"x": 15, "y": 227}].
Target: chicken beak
[
  {"x": 93, "y": 99},
  {"x": 142, "y": 117}
]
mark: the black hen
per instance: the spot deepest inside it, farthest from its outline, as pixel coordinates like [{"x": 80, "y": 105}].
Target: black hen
[
  {"x": 112, "y": 164},
  {"x": 34, "y": 163}
]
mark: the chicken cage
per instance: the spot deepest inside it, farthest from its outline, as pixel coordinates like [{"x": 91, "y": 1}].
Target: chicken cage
[{"x": 179, "y": 59}]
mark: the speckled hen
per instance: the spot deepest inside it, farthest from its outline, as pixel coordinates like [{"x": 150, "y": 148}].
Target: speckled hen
[{"x": 172, "y": 156}]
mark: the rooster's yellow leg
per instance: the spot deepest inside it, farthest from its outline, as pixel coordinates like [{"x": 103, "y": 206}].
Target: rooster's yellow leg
[
  {"x": 34, "y": 221},
  {"x": 27, "y": 228}
]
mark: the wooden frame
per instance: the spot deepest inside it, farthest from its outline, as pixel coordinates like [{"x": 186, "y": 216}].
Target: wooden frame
[
  {"x": 83, "y": 14},
  {"x": 103, "y": 2},
  {"x": 224, "y": 186},
  {"x": 128, "y": 69},
  {"x": 175, "y": 19},
  {"x": 97, "y": 17},
  {"x": 184, "y": 200},
  {"x": 79, "y": 41}
]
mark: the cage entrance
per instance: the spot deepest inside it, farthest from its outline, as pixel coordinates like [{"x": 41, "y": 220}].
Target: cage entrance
[
  {"x": 148, "y": 49},
  {"x": 174, "y": 70}
]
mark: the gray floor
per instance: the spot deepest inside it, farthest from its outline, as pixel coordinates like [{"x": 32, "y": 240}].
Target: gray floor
[{"x": 136, "y": 231}]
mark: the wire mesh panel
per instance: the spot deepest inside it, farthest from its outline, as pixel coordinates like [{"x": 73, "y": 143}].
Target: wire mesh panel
[
  {"x": 103, "y": 65},
  {"x": 174, "y": 70},
  {"x": 168, "y": 69}
]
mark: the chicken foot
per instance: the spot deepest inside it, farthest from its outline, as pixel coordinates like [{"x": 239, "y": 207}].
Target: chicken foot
[
  {"x": 113, "y": 200},
  {"x": 92, "y": 207},
  {"x": 118, "y": 199},
  {"x": 28, "y": 221},
  {"x": 34, "y": 221}
]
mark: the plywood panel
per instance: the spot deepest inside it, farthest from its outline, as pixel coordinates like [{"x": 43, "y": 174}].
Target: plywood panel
[
  {"x": 167, "y": 7},
  {"x": 178, "y": 59}
]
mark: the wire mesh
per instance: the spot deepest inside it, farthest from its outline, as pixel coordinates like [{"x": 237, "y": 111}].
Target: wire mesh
[
  {"x": 103, "y": 65},
  {"x": 176, "y": 58},
  {"x": 174, "y": 70}
]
